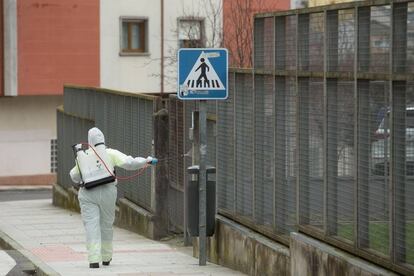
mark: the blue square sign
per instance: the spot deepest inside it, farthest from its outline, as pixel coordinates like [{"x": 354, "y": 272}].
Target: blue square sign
[{"x": 202, "y": 74}]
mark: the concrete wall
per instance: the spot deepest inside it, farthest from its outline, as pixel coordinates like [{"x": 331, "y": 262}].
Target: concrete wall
[
  {"x": 312, "y": 257},
  {"x": 26, "y": 127},
  {"x": 238, "y": 247},
  {"x": 141, "y": 73}
]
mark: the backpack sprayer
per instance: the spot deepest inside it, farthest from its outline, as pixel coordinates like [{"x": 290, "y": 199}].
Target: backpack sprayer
[{"x": 95, "y": 169}]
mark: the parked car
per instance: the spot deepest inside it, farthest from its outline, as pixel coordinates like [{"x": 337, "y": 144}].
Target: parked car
[{"x": 381, "y": 143}]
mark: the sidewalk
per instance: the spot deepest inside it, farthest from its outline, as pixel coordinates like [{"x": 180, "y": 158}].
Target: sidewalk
[{"x": 56, "y": 238}]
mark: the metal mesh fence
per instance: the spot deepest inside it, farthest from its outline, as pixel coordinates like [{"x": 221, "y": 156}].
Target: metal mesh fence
[
  {"x": 263, "y": 150},
  {"x": 338, "y": 129},
  {"x": 225, "y": 151},
  {"x": 256, "y": 148},
  {"x": 126, "y": 121},
  {"x": 311, "y": 151},
  {"x": 315, "y": 40},
  {"x": 181, "y": 153},
  {"x": 70, "y": 131},
  {"x": 243, "y": 144}
]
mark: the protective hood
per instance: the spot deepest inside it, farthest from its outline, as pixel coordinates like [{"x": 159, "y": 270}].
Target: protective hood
[{"x": 95, "y": 136}]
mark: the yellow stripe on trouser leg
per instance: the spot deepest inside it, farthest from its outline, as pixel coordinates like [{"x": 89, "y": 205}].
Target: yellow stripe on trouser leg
[
  {"x": 91, "y": 220},
  {"x": 106, "y": 251},
  {"x": 94, "y": 252}
]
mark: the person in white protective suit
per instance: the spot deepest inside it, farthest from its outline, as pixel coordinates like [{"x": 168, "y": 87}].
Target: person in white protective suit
[{"x": 98, "y": 203}]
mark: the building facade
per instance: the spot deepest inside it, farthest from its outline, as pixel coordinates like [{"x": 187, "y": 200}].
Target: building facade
[
  {"x": 238, "y": 27},
  {"x": 124, "y": 45}
]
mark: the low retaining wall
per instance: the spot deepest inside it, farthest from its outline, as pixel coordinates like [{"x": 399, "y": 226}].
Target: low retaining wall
[
  {"x": 312, "y": 257},
  {"x": 128, "y": 215},
  {"x": 240, "y": 248}
]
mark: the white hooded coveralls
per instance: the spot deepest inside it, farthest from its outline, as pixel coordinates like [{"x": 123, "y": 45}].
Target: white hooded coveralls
[{"x": 98, "y": 204}]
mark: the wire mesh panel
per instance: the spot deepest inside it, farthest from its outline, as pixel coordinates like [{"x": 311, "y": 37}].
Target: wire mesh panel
[
  {"x": 99, "y": 114},
  {"x": 225, "y": 150},
  {"x": 127, "y": 137},
  {"x": 259, "y": 50},
  {"x": 341, "y": 40},
  {"x": 354, "y": 147},
  {"x": 316, "y": 41},
  {"x": 403, "y": 169},
  {"x": 340, "y": 159},
  {"x": 145, "y": 147},
  {"x": 311, "y": 151},
  {"x": 180, "y": 144},
  {"x": 71, "y": 130},
  {"x": 211, "y": 146},
  {"x": 120, "y": 141},
  {"x": 176, "y": 209},
  {"x": 264, "y": 150},
  {"x": 410, "y": 38},
  {"x": 373, "y": 165},
  {"x": 268, "y": 43},
  {"x": 285, "y": 150},
  {"x": 280, "y": 43},
  {"x": 380, "y": 39},
  {"x": 173, "y": 168},
  {"x": 290, "y": 54},
  {"x": 110, "y": 122},
  {"x": 303, "y": 42},
  {"x": 244, "y": 144}
]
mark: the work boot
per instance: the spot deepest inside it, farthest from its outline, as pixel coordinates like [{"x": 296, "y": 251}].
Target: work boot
[
  {"x": 107, "y": 263},
  {"x": 94, "y": 265}
]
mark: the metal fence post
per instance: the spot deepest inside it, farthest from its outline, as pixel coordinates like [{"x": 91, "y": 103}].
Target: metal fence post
[{"x": 161, "y": 173}]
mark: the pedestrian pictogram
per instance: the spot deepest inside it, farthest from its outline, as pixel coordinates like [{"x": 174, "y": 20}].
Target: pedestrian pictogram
[{"x": 202, "y": 74}]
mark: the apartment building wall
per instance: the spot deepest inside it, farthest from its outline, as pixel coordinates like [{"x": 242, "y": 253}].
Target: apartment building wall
[
  {"x": 142, "y": 72},
  {"x": 44, "y": 44}
]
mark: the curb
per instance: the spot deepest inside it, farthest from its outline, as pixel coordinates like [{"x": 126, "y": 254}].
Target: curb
[
  {"x": 41, "y": 268},
  {"x": 12, "y": 188}
]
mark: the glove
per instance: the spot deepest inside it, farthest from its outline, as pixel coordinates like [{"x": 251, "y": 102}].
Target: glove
[{"x": 152, "y": 160}]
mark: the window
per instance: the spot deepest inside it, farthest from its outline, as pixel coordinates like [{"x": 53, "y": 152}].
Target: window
[
  {"x": 134, "y": 35},
  {"x": 190, "y": 33}
]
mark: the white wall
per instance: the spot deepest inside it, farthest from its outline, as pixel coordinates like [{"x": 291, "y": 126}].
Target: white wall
[
  {"x": 27, "y": 125},
  {"x": 142, "y": 73},
  {"x": 129, "y": 73}
]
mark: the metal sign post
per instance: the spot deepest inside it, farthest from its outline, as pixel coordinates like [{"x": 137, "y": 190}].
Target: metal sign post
[
  {"x": 202, "y": 75},
  {"x": 202, "y": 178}
]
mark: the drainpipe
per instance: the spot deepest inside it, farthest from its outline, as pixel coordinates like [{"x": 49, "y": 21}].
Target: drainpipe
[{"x": 162, "y": 47}]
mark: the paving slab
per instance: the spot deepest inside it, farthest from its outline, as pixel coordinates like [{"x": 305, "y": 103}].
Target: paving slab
[{"x": 56, "y": 237}]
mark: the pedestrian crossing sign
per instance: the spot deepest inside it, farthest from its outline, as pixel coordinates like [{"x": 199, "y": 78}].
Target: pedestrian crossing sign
[{"x": 202, "y": 74}]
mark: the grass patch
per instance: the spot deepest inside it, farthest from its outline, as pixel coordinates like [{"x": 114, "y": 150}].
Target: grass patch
[{"x": 379, "y": 237}]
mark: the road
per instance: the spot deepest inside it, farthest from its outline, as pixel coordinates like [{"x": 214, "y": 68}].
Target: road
[
  {"x": 11, "y": 263},
  {"x": 26, "y": 194}
]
